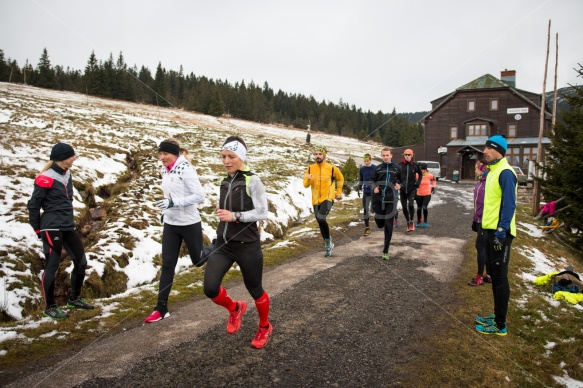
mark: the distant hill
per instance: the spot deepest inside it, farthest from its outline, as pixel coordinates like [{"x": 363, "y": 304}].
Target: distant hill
[{"x": 562, "y": 103}]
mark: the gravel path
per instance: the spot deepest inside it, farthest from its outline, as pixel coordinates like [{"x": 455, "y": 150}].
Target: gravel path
[{"x": 343, "y": 321}]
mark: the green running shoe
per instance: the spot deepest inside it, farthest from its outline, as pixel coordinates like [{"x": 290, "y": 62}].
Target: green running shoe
[
  {"x": 79, "y": 303},
  {"x": 55, "y": 313},
  {"x": 385, "y": 256}
]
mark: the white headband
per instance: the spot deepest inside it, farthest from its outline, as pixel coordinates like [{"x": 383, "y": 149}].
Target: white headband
[{"x": 237, "y": 148}]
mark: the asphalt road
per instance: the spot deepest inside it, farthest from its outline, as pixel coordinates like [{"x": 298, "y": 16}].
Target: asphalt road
[{"x": 350, "y": 320}]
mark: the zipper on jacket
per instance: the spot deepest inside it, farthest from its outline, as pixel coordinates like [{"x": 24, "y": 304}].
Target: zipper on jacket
[{"x": 225, "y": 206}]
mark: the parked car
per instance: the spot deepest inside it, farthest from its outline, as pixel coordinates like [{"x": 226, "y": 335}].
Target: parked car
[
  {"x": 433, "y": 167},
  {"x": 522, "y": 181}
]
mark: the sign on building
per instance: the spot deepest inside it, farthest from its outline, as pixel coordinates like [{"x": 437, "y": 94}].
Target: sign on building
[{"x": 516, "y": 110}]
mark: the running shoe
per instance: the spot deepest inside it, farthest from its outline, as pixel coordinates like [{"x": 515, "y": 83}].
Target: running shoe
[
  {"x": 328, "y": 248},
  {"x": 385, "y": 256},
  {"x": 367, "y": 231},
  {"x": 412, "y": 226},
  {"x": 476, "y": 281},
  {"x": 425, "y": 225},
  {"x": 156, "y": 316},
  {"x": 262, "y": 337},
  {"x": 79, "y": 303},
  {"x": 487, "y": 320},
  {"x": 491, "y": 330},
  {"x": 487, "y": 279},
  {"x": 235, "y": 317},
  {"x": 55, "y": 313},
  {"x": 419, "y": 225},
  {"x": 395, "y": 223}
]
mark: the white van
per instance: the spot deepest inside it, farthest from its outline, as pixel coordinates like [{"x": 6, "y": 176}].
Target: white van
[{"x": 433, "y": 167}]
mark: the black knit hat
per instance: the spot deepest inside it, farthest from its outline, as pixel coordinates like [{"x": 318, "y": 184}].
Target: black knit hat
[{"x": 62, "y": 151}]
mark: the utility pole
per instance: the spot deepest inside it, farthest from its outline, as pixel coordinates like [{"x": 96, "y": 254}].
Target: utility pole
[
  {"x": 554, "y": 119},
  {"x": 535, "y": 193}
]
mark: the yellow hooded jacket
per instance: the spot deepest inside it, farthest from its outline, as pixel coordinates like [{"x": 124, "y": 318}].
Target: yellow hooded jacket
[{"x": 323, "y": 187}]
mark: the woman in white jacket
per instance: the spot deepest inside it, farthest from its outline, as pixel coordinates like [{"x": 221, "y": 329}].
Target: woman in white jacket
[{"x": 182, "y": 192}]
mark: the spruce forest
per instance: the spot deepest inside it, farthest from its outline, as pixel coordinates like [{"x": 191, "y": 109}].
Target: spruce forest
[{"x": 111, "y": 78}]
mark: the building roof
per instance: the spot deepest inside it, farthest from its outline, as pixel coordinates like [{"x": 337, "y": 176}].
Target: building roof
[
  {"x": 487, "y": 81},
  {"x": 479, "y": 141}
]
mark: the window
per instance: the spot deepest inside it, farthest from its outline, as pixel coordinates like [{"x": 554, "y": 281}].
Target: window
[
  {"x": 528, "y": 153},
  {"x": 453, "y": 132},
  {"x": 513, "y": 156},
  {"x": 512, "y": 130},
  {"x": 477, "y": 130},
  {"x": 471, "y": 105},
  {"x": 494, "y": 104}
]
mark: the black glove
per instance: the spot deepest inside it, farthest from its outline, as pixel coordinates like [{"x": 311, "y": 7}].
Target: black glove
[
  {"x": 38, "y": 235},
  {"x": 475, "y": 226},
  {"x": 498, "y": 244},
  {"x": 433, "y": 190},
  {"x": 164, "y": 204}
]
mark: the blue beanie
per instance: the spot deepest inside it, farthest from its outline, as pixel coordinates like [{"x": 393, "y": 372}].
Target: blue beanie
[{"x": 499, "y": 143}]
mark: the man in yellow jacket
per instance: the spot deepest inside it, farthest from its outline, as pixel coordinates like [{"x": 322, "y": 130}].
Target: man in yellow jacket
[{"x": 326, "y": 181}]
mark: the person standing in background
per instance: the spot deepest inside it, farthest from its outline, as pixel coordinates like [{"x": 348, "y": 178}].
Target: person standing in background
[
  {"x": 182, "y": 222},
  {"x": 479, "y": 188},
  {"x": 326, "y": 182},
  {"x": 53, "y": 194},
  {"x": 364, "y": 186}
]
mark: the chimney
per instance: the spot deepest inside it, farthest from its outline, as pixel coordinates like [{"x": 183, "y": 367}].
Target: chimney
[{"x": 508, "y": 77}]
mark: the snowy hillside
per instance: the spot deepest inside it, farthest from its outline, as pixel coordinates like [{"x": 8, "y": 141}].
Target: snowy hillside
[{"x": 118, "y": 171}]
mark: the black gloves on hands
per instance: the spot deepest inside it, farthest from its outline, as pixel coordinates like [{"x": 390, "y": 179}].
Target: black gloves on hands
[
  {"x": 164, "y": 204},
  {"x": 475, "y": 226},
  {"x": 38, "y": 234},
  {"x": 498, "y": 244}
]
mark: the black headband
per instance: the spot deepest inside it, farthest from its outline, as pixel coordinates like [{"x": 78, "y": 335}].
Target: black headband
[{"x": 171, "y": 148}]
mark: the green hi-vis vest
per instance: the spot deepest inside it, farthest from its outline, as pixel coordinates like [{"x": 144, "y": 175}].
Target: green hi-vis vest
[{"x": 493, "y": 198}]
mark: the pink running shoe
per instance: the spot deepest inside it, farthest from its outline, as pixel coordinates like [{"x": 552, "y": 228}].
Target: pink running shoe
[
  {"x": 156, "y": 316},
  {"x": 235, "y": 317},
  {"x": 262, "y": 337}
]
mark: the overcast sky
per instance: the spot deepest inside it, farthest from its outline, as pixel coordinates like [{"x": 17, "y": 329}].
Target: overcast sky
[{"x": 377, "y": 55}]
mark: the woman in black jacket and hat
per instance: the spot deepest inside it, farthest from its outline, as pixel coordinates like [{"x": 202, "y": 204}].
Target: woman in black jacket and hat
[{"x": 53, "y": 194}]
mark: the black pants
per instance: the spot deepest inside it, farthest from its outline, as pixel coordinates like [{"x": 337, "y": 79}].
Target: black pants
[
  {"x": 498, "y": 262},
  {"x": 408, "y": 204},
  {"x": 422, "y": 204},
  {"x": 384, "y": 214},
  {"x": 481, "y": 250},
  {"x": 53, "y": 244},
  {"x": 248, "y": 256},
  {"x": 172, "y": 237},
  {"x": 321, "y": 212},
  {"x": 366, "y": 201}
]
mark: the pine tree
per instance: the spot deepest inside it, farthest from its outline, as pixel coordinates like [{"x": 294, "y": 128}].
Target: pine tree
[
  {"x": 46, "y": 74},
  {"x": 563, "y": 165},
  {"x": 350, "y": 173},
  {"x": 91, "y": 76}
]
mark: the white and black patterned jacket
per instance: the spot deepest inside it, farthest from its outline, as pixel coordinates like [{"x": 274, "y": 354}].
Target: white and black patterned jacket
[{"x": 182, "y": 185}]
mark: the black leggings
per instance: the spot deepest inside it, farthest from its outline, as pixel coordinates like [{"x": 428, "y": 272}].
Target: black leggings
[
  {"x": 321, "y": 211},
  {"x": 422, "y": 203},
  {"x": 366, "y": 198},
  {"x": 481, "y": 250},
  {"x": 248, "y": 256},
  {"x": 53, "y": 244},
  {"x": 384, "y": 213},
  {"x": 408, "y": 204},
  {"x": 172, "y": 237},
  {"x": 498, "y": 265}
]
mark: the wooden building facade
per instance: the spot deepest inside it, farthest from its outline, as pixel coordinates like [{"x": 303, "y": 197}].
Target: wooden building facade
[{"x": 459, "y": 124}]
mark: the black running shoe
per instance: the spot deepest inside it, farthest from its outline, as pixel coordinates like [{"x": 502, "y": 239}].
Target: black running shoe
[
  {"x": 55, "y": 313},
  {"x": 79, "y": 303}
]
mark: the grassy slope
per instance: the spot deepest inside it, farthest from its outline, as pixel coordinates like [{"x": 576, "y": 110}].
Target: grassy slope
[{"x": 459, "y": 356}]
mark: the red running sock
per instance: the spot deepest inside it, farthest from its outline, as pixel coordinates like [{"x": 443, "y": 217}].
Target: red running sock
[
  {"x": 223, "y": 299},
  {"x": 262, "y": 305}
]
